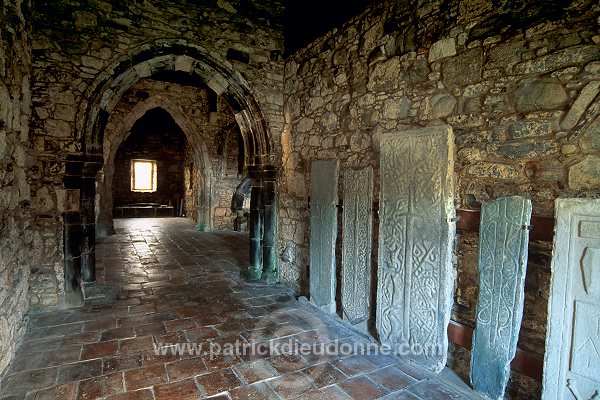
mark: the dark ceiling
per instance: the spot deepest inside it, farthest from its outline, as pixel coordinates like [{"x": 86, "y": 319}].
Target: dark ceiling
[{"x": 306, "y": 20}]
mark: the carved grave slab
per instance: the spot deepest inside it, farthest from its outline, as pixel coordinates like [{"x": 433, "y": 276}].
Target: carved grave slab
[
  {"x": 503, "y": 240},
  {"x": 572, "y": 357},
  {"x": 323, "y": 232},
  {"x": 415, "y": 276},
  {"x": 356, "y": 253}
]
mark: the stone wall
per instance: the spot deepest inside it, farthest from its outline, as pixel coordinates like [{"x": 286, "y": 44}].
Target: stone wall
[
  {"x": 15, "y": 159},
  {"x": 154, "y": 137},
  {"x": 77, "y": 46},
  {"x": 228, "y": 166},
  {"x": 518, "y": 87},
  {"x": 193, "y": 180}
]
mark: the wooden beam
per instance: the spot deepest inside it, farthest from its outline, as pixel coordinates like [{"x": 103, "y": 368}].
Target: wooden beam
[
  {"x": 542, "y": 227},
  {"x": 525, "y": 363}
]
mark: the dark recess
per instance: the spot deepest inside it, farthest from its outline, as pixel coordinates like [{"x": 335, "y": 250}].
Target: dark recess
[{"x": 306, "y": 20}]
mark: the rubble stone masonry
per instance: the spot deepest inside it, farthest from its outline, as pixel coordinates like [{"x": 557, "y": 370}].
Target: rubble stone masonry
[
  {"x": 517, "y": 83},
  {"x": 15, "y": 211}
]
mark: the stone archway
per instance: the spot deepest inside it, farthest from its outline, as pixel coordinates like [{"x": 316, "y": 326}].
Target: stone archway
[
  {"x": 104, "y": 217},
  {"x": 93, "y": 115},
  {"x": 180, "y": 57}
]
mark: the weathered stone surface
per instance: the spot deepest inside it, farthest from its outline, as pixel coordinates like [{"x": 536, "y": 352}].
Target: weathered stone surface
[
  {"x": 440, "y": 105},
  {"x": 356, "y": 251},
  {"x": 572, "y": 361},
  {"x": 590, "y": 141},
  {"x": 494, "y": 171},
  {"x": 324, "y": 175},
  {"x": 503, "y": 241},
  {"x": 525, "y": 129},
  {"x": 529, "y": 148},
  {"x": 92, "y": 62},
  {"x": 418, "y": 71},
  {"x": 587, "y": 95},
  {"x": 536, "y": 96},
  {"x": 506, "y": 54},
  {"x": 560, "y": 59},
  {"x": 415, "y": 243},
  {"x": 464, "y": 69},
  {"x": 585, "y": 175},
  {"x": 442, "y": 49},
  {"x": 16, "y": 214},
  {"x": 85, "y": 19},
  {"x": 396, "y": 108}
]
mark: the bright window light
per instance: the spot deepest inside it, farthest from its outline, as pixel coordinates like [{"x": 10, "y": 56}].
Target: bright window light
[{"x": 143, "y": 176}]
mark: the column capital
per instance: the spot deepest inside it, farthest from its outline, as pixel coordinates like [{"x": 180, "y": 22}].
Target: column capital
[
  {"x": 270, "y": 172},
  {"x": 262, "y": 172},
  {"x": 255, "y": 172}
]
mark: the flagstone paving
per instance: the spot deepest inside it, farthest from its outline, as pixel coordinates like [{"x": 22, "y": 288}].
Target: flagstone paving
[{"x": 177, "y": 286}]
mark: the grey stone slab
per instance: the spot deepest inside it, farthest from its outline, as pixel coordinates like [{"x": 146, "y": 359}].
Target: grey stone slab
[
  {"x": 415, "y": 276},
  {"x": 356, "y": 245},
  {"x": 572, "y": 357},
  {"x": 503, "y": 240},
  {"x": 323, "y": 232}
]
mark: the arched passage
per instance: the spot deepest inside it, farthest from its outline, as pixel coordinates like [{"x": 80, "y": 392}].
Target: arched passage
[
  {"x": 104, "y": 94},
  {"x": 175, "y": 56},
  {"x": 104, "y": 203}
]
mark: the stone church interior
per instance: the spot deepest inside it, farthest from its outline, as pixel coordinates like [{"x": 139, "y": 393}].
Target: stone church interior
[{"x": 267, "y": 199}]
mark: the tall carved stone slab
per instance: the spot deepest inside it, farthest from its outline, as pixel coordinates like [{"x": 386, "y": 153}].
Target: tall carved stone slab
[
  {"x": 323, "y": 232},
  {"x": 415, "y": 276},
  {"x": 572, "y": 358},
  {"x": 356, "y": 253},
  {"x": 503, "y": 240}
]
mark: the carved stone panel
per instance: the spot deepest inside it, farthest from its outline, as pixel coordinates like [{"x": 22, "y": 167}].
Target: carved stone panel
[
  {"x": 572, "y": 357},
  {"x": 323, "y": 232},
  {"x": 356, "y": 253},
  {"x": 503, "y": 240},
  {"x": 415, "y": 278}
]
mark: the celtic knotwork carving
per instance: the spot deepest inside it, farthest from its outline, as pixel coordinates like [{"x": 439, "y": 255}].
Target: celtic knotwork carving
[
  {"x": 356, "y": 253},
  {"x": 414, "y": 253},
  {"x": 503, "y": 244}
]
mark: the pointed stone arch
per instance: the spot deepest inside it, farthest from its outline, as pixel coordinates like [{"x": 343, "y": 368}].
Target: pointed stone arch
[{"x": 104, "y": 217}]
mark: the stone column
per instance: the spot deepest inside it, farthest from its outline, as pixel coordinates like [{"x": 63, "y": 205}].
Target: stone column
[
  {"x": 72, "y": 243},
  {"x": 270, "y": 268},
  {"x": 255, "y": 268},
  {"x": 88, "y": 220},
  {"x": 72, "y": 234}
]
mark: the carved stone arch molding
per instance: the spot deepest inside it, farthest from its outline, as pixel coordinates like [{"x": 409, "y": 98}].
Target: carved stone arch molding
[{"x": 174, "y": 55}]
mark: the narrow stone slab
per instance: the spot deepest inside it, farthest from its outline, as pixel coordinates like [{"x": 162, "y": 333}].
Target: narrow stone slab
[
  {"x": 572, "y": 357},
  {"x": 415, "y": 277},
  {"x": 503, "y": 240},
  {"x": 356, "y": 252},
  {"x": 323, "y": 232}
]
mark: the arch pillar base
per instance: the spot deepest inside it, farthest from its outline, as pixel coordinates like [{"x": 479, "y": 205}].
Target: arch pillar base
[
  {"x": 263, "y": 224},
  {"x": 270, "y": 273},
  {"x": 255, "y": 225}
]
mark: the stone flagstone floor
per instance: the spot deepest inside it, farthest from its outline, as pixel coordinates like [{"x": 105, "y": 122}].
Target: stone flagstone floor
[{"x": 181, "y": 286}]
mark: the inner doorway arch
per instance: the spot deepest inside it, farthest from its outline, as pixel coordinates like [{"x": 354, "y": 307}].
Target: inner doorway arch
[{"x": 93, "y": 115}]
